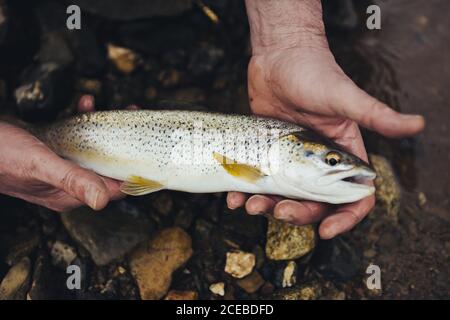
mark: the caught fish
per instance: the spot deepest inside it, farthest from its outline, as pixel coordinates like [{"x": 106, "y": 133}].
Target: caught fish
[{"x": 207, "y": 152}]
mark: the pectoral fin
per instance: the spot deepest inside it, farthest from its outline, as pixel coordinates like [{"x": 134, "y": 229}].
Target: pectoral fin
[
  {"x": 238, "y": 170},
  {"x": 138, "y": 186}
]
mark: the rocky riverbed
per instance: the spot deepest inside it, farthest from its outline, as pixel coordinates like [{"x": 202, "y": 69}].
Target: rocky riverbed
[{"x": 172, "y": 245}]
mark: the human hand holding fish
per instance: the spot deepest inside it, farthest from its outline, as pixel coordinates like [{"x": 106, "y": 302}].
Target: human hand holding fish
[
  {"x": 29, "y": 170},
  {"x": 293, "y": 76}
]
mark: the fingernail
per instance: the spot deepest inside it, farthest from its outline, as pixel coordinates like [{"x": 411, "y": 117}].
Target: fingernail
[
  {"x": 231, "y": 203},
  {"x": 412, "y": 117},
  {"x": 92, "y": 198},
  {"x": 283, "y": 213},
  {"x": 328, "y": 233}
]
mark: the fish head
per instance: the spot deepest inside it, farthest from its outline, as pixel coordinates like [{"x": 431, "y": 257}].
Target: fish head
[{"x": 308, "y": 166}]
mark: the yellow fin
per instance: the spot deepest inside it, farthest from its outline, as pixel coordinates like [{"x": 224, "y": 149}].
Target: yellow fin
[
  {"x": 241, "y": 171},
  {"x": 138, "y": 186}
]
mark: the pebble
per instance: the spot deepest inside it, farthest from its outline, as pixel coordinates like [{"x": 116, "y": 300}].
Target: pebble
[
  {"x": 422, "y": 199},
  {"x": 62, "y": 254},
  {"x": 310, "y": 291},
  {"x": 92, "y": 86},
  {"x": 16, "y": 282},
  {"x": 388, "y": 190},
  {"x": 218, "y": 288},
  {"x": 44, "y": 88},
  {"x": 153, "y": 263},
  {"x": 239, "y": 263},
  {"x": 289, "y": 274},
  {"x": 251, "y": 283},
  {"x": 181, "y": 295},
  {"x": 125, "y": 60},
  {"x": 337, "y": 260},
  {"x": 169, "y": 77},
  {"x": 288, "y": 242}
]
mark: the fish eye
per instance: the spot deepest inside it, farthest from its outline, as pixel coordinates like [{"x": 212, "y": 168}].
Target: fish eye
[{"x": 332, "y": 158}]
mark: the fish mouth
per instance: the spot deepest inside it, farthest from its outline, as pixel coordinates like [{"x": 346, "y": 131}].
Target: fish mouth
[{"x": 355, "y": 176}]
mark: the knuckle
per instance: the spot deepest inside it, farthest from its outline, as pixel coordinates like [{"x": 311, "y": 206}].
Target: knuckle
[{"x": 69, "y": 181}]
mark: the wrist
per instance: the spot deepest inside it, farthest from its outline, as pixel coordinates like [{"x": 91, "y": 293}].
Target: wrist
[{"x": 285, "y": 24}]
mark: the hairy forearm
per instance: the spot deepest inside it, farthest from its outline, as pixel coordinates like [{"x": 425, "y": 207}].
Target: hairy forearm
[{"x": 280, "y": 24}]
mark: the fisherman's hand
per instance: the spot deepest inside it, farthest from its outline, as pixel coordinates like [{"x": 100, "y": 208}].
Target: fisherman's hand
[
  {"x": 293, "y": 76},
  {"x": 31, "y": 171}
]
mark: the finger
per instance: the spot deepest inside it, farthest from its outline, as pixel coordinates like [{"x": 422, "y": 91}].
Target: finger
[
  {"x": 114, "y": 188},
  {"x": 352, "y": 140},
  {"x": 300, "y": 212},
  {"x": 86, "y": 103},
  {"x": 79, "y": 183},
  {"x": 236, "y": 199},
  {"x": 354, "y": 103},
  {"x": 258, "y": 204},
  {"x": 345, "y": 218},
  {"x": 63, "y": 204}
]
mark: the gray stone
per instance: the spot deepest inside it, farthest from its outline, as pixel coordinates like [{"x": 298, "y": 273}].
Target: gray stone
[{"x": 110, "y": 233}]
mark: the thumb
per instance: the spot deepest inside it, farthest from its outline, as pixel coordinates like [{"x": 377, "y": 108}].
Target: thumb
[
  {"x": 80, "y": 183},
  {"x": 367, "y": 111}
]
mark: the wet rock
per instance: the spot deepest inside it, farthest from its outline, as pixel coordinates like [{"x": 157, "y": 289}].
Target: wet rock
[
  {"x": 166, "y": 35},
  {"x": 151, "y": 93},
  {"x": 289, "y": 275},
  {"x": 49, "y": 282},
  {"x": 125, "y": 60},
  {"x": 189, "y": 94},
  {"x": 62, "y": 254},
  {"x": 90, "y": 56},
  {"x": 239, "y": 263},
  {"x": 163, "y": 203},
  {"x": 422, "y": 198},
  {"x": 183, "y": 218},
  {"x": 337, "y": 260},
  {"x": 91, "y": 86},
  {"x": 169, "y": 78},
  {"x": 3, "y": 20},
  {"x": 55, "y": 49},
  {"x": 310, "y": 291},
  {"x": 134, "y": 9},
  {"x": 218, "y": 288},
  {"x": 288, "y": 242},
  {"x": 340, "y": 14},
  {"x": 388, "y": 190},
  {"x": 181, "y": 295},
  {"x": 15, "y": 284},
  {"x": 23, "y": 244},
  {"x": 174, "y": 58},
  {"x": 267, "y": 289},
  {"x": 153, "y": 263},
  {"x": 251, "y": 283},
  {"x": 204, "y": 60},
  {"x": 44, "y": 88},
  {"x": 109, "y": 234}
]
